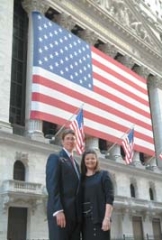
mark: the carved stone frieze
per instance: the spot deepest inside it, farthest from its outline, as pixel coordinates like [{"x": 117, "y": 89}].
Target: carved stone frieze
[
  {"x": 65, "y": 21},
  {"x": 123, "y": 14},
  {"x": 35, "y": 5}
]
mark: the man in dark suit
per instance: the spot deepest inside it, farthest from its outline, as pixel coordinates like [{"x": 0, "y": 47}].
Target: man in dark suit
[{"x": 63, "y": 187}]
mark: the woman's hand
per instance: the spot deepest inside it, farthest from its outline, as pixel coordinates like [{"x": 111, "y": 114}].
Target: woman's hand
[{"x": 106, "y": 224}]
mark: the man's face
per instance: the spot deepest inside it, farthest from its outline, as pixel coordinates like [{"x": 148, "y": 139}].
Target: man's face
[{"x": 69, "y": 142}]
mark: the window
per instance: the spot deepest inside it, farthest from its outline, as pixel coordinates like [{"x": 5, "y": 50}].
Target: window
[
  {"x": 19, "y": 171},
  {"x": 18, "y": 73},
  {"x": 151, "y": 194},
  {"x": 132, "y": 191}
]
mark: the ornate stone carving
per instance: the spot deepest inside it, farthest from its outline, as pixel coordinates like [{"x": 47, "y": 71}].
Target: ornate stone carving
[
  {"x": 121, "y": 12},
  {"x": 65, "y": 20},
  {"x": 109, "y": 49},
  {"x": 88, "y": 36},
  {"x": 35, "y": 5}
]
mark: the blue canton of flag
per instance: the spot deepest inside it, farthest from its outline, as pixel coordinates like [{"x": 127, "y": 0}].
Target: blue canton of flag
[
  {"x": 128, "y": 144},
  {"x": 77, "y": 126},
  {"x": 61, "y": 52}
]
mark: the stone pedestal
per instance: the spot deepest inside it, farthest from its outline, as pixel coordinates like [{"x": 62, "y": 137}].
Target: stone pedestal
[
  {"x": 136, "y": 160},
  {"x": 115, "y": 154}
]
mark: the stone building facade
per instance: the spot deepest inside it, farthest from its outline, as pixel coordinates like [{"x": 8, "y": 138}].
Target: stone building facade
[{"x": 129, "y": 31}]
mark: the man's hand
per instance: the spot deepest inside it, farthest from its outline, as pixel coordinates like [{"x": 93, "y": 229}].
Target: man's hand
[{"x": 60, "y": 219}]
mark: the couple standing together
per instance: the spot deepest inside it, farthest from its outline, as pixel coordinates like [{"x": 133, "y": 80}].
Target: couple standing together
[{"x": 79, "y": 205}]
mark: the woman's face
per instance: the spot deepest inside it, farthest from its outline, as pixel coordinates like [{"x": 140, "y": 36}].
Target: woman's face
[{"x": 90, "y": 161}]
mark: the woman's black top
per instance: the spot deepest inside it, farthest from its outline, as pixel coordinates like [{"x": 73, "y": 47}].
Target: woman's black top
[{"x": 98, "y": 190}]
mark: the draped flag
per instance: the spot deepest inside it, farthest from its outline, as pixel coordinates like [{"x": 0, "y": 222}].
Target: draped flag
[
  {"x": 128, "y": 144},
  {"x": 67, "y": 72},
  {"x": 77, "y": 126}
]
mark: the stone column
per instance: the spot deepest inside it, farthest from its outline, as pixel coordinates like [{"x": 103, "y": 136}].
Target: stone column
[
  {"x": 126, "y": 61},
  {"x": 136, "y": 160},
  {"x": 109, "y": 49},
  {"x": 6, "y": 29},
  {"x": 33, "y": 127},
  {"x": 115, "y": 153},
  {"x": 142, "y": 71},
  {"x": 65, "y": 21},
  {"x": 92, "y": 142},
  {"x": 155, "y": 94},
  {"x": 89, "y": 36}
]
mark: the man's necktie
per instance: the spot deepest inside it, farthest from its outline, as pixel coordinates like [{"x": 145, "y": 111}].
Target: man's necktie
[{"x": 74, "y": 165}]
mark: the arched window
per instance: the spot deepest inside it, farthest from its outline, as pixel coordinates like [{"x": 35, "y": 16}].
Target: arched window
[
  {"x": 19, "y": 171},
  {"x": 151, "y": 194},
  {"x": 132, "y": 191}
]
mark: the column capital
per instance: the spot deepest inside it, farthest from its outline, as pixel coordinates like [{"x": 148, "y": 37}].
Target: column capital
[
  {"x": 35, "y": 5},
  {"x": 142, "y": 71},
  {"x": 126, "y": 61},
  {"x": 65, "y": 20},
  {"x": 89, "y": 36},
  {"x": 109, "y": 49},
  {"x": 155, "y": 82}
]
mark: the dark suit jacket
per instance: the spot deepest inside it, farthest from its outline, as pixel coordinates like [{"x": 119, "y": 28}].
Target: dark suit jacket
[{"x": 63, "y": 187}]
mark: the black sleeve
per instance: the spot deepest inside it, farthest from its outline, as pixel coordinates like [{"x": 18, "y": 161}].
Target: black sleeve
[
  {"x": 53, "y": 176},
  {"x": 108, "y": 187}
]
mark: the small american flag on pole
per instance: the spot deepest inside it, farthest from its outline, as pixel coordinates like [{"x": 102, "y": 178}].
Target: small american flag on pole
[
  {"x": 128, "y": 144},
  {"x": 77, "y": 126}
]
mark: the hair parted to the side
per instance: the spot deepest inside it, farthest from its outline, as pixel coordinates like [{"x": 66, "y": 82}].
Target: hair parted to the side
[
  {"x": 83, "y": 167},
  {"x": 66, "y": 132}
]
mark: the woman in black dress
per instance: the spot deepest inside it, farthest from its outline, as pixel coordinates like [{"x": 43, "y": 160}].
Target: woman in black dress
[{"x": 98, "y": 197}]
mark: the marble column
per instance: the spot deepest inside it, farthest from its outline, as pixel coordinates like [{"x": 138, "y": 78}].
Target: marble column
[
  {"x": 126, "y": 61},
  {"x": 91, "y": 38},
  {"x": 115, "y": 153},
  {"x": 142, "y": 71},
  {"x": 136, "y": 160},
  {"x": 88, "y": 36},
  {"x": 33, "y": 127},
  {"x": 93, "y": 143},
  {"x": 155, "y": 94},
  {"x": 6, "y": 29},
  {"x": 109, "y": 49},
  {"x": 65, "y": 21}
]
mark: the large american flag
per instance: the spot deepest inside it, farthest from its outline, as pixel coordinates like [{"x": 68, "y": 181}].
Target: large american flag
[
  {"x": 128, "y": 145},
  {"x": 77, "y": 124},
  {"x": 68, "y": 72}
]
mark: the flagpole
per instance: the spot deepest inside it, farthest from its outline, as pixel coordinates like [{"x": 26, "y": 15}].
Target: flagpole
[
  {"x": 67, "y": 121},
  {"x": 120, "y": 138}
]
